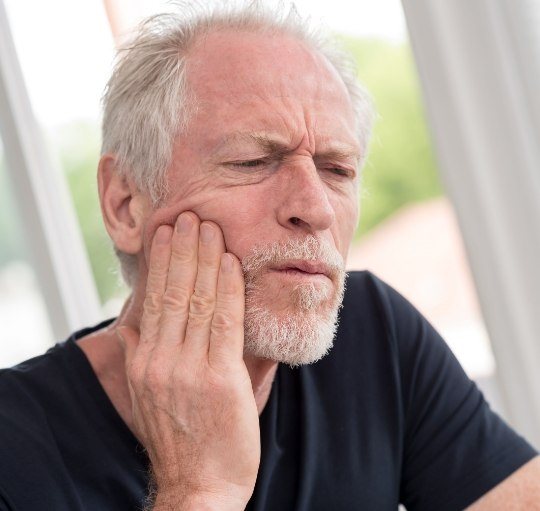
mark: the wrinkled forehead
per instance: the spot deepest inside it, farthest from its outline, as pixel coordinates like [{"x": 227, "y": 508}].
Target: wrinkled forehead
[
  {"x": 266, "y": 84},
  {"x": 225, "y": 65}
]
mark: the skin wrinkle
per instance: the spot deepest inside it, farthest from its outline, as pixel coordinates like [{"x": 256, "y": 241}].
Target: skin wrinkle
[{"x": 269, "y": 144}]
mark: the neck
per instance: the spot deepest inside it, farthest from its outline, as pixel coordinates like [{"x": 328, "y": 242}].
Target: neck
[{"x": 262, "y": 372}]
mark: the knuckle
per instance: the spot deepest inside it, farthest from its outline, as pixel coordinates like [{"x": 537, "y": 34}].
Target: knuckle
[
  {"x": 176, "y": 298},
  {"x": 183, "y": 254},
  {"x": 154, "y": 377},
  {"x": 152, "y": 303},
  {"x": 223, "y": 321},
  {"x": 200, "y": 306},
  {"x": 156, "y": 271}
]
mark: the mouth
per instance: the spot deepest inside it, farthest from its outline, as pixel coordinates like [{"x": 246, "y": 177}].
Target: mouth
[{"x": 303, "y": 269}]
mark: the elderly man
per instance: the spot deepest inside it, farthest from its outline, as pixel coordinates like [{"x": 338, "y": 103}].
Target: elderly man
[{"x": 232, "y": 146}]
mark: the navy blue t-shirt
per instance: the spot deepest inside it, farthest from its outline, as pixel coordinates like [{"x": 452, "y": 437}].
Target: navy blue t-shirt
[{"x": 388, "y": 416}]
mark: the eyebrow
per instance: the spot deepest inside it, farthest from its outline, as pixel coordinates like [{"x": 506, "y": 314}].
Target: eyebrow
[{"x": 276, "y": 145}]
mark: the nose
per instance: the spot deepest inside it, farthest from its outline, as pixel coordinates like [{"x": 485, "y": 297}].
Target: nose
[{"x": 304, "y": 203}]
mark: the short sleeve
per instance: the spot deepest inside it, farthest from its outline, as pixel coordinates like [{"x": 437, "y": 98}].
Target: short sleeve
[{"x": 456, "y": 448}]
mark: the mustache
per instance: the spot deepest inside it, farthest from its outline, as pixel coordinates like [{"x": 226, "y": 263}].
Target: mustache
[{"x": 310, "y": 248}]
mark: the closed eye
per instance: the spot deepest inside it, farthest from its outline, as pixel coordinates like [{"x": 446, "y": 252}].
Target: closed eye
[
  {"x": 340, "y": 171},
  {"x": 249, "y": 163}
]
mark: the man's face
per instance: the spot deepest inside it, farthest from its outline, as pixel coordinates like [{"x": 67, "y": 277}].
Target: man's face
[{"x": 271, "y": 156}]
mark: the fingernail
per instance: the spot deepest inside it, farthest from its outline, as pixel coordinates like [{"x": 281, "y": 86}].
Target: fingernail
[
  {"x": 207, "y": 233},
  {"x": 226, "y": 263},
  {"x": 163, "y": 235},
  {"x": 185, "y": 222}
]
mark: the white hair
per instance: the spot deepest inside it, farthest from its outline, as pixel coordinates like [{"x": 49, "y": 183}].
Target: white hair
[{"x": 147, "y": 102}]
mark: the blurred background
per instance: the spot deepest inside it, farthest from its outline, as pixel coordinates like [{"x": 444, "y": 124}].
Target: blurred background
[{"x": 434, "y": 219}]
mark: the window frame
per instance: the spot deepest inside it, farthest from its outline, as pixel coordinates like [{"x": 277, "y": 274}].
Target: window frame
[{"x": 51, "y": 231}]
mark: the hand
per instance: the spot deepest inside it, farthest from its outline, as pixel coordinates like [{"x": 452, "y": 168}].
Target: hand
[{"x": 192, "y": 401}]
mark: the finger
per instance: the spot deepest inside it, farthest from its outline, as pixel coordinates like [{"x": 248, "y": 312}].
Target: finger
[
  {"x": 135, "y": 373},
  {"x": 203, "y": 299},
  {"x": 156, "y": 282},
  {"x": 227, "y": 330},
  {"x": 180, "y": 280}
]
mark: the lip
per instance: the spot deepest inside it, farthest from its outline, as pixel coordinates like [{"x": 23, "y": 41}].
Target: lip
[{"x": 303, "y": 267}]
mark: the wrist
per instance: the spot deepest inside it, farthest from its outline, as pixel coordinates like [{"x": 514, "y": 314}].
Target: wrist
[{"x": 175, "y": 501}]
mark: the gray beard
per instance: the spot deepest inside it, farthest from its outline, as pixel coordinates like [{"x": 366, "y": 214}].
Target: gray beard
[{"x": 304, "y": 333}]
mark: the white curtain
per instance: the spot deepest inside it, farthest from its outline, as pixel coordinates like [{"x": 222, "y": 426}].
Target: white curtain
[{"x": 479, "y": 64}]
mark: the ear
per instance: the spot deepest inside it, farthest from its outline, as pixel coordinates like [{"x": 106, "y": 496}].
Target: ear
[{"x": 123, "y": 206}]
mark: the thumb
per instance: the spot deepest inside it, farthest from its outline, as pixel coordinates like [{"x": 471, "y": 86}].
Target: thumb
[{"x": 129, "y": 340}]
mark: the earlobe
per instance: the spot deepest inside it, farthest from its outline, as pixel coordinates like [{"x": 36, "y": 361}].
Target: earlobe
[{"x": 123, "y": 206}]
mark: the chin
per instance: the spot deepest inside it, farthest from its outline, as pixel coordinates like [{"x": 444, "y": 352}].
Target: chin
[
  {"x": 300, "y": 334},
  {"x": 294, "y": 340}
]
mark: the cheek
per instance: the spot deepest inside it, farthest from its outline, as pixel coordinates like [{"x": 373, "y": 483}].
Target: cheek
[
  {"x": 169, "y": 213},
  {"x": 243, "y": 217},
  {"x": 347, "y": 214}
]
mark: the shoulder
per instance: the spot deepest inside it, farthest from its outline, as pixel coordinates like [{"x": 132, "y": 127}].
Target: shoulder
[
  {"x": 364, "y": 288},
  {"x": 455, "y": 449},
  {"x": 372, "y": 301},
  {"x": 35, "y": 373},
  {"x": 19, "y": 384},
  {"x": 46, "y": 380},
  {"x": 24, "y": 432},
  {"x": 374, "y": 309},
  {"x": 24, "y": 391},
  {"x": 33, "y": 397},
  {"x": 31, "y": 394}
]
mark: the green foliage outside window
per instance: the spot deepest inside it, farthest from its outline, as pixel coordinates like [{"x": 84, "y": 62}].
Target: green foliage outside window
[{"x": 400, "y": 168}]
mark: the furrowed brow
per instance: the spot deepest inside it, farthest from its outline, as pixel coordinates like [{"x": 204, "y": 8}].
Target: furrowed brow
[
  {"x": 338, "y": 150},
  {"x": 275, "y": 145},
  {"x": 270, "y": 144},
  {"x": 339, "y": 154}
]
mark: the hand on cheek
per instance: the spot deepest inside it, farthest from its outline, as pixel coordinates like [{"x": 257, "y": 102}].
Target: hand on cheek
[
  {"x": 192, "y": 401},
  {"x": 170, "y": 216}
]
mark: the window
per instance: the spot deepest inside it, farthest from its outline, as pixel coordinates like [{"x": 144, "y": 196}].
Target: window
[{"x": 26, "y": 330}]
